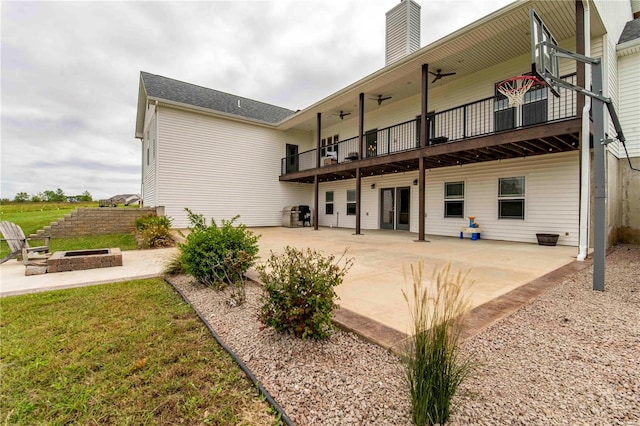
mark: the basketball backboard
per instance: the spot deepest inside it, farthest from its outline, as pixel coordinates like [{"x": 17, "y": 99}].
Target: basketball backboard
[{"x": 544, "y": 62}]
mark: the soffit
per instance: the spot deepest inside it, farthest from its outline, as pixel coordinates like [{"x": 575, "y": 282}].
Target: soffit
[{"x": 489, "y": 41}]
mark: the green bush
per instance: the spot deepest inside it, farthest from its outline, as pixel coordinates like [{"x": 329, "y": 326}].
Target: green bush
[
  {"x": 218, "y": 255},
  {"x": 433, "y": 364},
  {"x": 299, "y": 291},
  {"x": 174, "y": 266},
  {"x": 153, "y": 231}
]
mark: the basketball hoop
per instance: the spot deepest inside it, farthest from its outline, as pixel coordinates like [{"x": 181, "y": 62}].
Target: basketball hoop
[{"x": 514, "y": 88}]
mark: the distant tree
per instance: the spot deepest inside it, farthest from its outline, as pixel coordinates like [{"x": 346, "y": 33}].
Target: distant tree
[
  {"x": 60, "y": 195},
  {"x": 86, "y": 196},
  {"x": 4, "y": 200},
  {"x": 56, "y": 196},
  {"x": 48, "y": 195},
  {"x": 21, "y": 197},
  {"x": 37, "y": 198}
]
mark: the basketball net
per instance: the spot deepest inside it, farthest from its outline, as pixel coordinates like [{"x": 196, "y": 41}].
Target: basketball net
[{"x": 514, "y": 88}]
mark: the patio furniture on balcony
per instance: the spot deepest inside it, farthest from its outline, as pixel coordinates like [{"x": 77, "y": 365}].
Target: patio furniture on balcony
[
  {"x": 439, "y": 140},
  {"x": 481, "y": 118},
  {"x": 327, "y": 161},
  {"x": 352, "y": 156}
]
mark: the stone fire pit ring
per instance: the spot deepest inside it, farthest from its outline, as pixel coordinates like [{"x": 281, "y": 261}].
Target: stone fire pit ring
[{"x": 78, "y": 260}]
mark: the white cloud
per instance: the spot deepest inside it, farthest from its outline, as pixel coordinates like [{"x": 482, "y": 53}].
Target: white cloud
[{"x": 70, "y": 71}]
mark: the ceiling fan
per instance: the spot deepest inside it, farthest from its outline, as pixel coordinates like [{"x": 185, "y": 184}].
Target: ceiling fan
[
  {"x": 438, "y": 74},
  {"x": 380, "y": 99},
  {"x": 342, "y": 114}
]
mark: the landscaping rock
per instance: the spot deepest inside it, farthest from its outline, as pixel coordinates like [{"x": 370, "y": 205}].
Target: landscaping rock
[{"x": 569, "y": 357}]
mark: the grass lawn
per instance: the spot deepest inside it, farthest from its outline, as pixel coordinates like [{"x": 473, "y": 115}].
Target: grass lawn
[
  {"x": 126, "y": 353},
  {"x": 34, "y": 216}
]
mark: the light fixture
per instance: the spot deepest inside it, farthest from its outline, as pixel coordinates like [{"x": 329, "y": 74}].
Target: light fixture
[
  {"x": 415, "y": 182},
  {"x": 373, "y": 186}
]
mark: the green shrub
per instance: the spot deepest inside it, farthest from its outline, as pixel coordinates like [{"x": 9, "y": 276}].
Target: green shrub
[
  {"x": 174, "y": 266},
  {"x": 218, "y": 255},
  {"x": 153, "y": 231},
  {"x": 433, "y": 364},
  {"x": 299, "y": 291}
]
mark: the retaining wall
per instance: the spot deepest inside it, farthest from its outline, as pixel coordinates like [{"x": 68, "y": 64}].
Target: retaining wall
[{"x": 94, "y": 221}]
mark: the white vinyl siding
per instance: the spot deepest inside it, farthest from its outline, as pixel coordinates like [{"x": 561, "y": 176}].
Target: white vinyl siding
[
  {"x": 628, "y": 71},
  {"x": 222, "y": 168},
  {"x": 551, "y": 198},
  {"x": 149, "y": 160}
]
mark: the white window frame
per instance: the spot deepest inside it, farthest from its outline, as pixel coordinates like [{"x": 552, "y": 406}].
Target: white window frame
[
  {"x": 328, "y": 203},
  {"x": 351, "y": 202},
  {"x": 510, "y": 197},
  {"x": 454, "y": 198}
]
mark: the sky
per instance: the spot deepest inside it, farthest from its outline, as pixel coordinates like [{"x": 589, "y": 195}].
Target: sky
[{"x": 70, "y": 71}]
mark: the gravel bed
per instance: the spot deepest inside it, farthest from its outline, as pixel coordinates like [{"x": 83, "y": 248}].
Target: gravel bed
[{"x": 570, "y": 357}]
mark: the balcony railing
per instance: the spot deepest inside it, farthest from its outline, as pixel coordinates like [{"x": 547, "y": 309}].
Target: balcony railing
[{"x": 480, "y": 118}]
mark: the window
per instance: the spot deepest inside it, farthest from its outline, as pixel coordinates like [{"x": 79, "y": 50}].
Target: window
[
  {"x": 454, "y": 199},
  {"x": 511, "y": 198},
  {"x": 504, "y": 116},
  {"x": 534, "y": 109},
  {"x": 328, "y": 146},
  {"x": 351, "y": 202},
  {"x": 328, "y": 202}
]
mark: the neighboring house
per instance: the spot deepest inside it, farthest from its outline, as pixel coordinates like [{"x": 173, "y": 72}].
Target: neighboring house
[
  {"x": 126, "y": 199},
  {"x": 417, "y": 151}
]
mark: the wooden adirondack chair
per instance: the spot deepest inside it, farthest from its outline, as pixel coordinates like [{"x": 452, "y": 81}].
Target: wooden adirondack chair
[{"x": 19, "y": 244}]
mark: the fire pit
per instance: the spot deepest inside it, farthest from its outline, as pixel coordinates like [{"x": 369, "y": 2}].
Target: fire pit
[{"x": 77, "y": 260}]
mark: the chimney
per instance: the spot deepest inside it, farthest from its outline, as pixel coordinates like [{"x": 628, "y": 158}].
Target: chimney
[
  {"x": 403, "y": 30},
  {"x": 635, "y": 8}
]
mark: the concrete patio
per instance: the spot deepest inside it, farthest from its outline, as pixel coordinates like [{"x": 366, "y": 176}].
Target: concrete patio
[
  {"x": 370, "y": 299},
  {"x": 372, "y": 289}
]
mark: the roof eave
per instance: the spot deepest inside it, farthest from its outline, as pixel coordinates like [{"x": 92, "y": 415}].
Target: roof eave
[
  {"x": 312, "y": 109},
  {"x": 142, "y": 107},
  {"x": 628, "y": 47},
  {"x": 211, "y": 112}
]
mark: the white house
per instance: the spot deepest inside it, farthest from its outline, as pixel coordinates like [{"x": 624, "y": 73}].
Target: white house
[{"x": 428, "y": 140}]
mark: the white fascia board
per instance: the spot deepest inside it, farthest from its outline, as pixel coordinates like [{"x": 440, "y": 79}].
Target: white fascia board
[
  {"x": 141, "y": 110},
  {"x": 628, "y": 47}
]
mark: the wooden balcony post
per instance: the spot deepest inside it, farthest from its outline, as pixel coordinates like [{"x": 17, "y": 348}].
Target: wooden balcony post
[
  {"x": 425, "y": 106},
  {"x": 360, "y": 124},
  {"x": 318, "y": 133},
  {"x": 421, "y": 198},
  {"x": 358, "y": 192},
  {"x": 423, "y": 142},
  {"x": 316, "y": 184}
]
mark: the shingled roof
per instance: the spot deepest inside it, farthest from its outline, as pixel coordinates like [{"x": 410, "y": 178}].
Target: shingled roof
[
  {"x": 631, "y": 31},
  {"x": 163, "y": 88}
]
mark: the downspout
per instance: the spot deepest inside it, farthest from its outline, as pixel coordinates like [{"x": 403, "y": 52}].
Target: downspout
[{"x": 585, "y": 152}]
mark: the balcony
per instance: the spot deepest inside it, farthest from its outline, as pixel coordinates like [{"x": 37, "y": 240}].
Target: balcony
[{"x": 497, "y": 131}]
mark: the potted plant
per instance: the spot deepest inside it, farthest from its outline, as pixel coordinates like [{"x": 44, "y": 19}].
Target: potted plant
[{"x": 547, "y": 239}]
